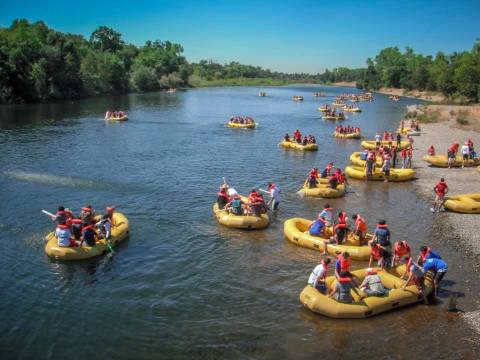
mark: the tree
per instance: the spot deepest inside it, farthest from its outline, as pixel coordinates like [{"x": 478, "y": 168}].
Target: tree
[{"x": 106, "y": 39}]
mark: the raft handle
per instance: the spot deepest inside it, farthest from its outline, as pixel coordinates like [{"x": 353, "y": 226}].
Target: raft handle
[
  {"x": 295, "y": 238},
  {"x": 395, "y": 304},
  {"x": 315, "y": 246},
  {"x": 368, "y": 313}
]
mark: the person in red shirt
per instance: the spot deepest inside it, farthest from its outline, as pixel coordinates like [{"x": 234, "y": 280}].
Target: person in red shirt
[
  {"x": 431, "y": 151},
  {"x": 404, "y": 155},
  {"x": 360, "y": 227},
  {"x": 312, "y": 178},
  {"x": 441, "y": 189},
  {"x": 452, "y": 154}
]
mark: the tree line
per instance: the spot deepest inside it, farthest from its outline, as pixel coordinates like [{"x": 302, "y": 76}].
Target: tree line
[{"x": 40, "y": 64}]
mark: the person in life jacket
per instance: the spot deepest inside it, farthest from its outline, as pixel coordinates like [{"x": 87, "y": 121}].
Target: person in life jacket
[
  {"x": 370, "y": 162},
  {"x": 431, "y": 151},
  {"x": 286, "y": 137},
  {"x": 86, "y": 215},
  {"x": 256, "y": 203},
  {"x": 318, "y": 276},
  {"x": 104, "y": 226},
  {"x": 452, "y": 154},
  {"x": 343, "y": 287},
  {"x": 317, "y": 227},
  {"x": 327, "y": 171},
  {"x": 342, "y": 264},
  {"x": 426, "y": 253},
  {"x": 235, "y": 206},
  {"x": 381, "y": 235},
  {"x": 440, "y": 189},
  {"x": 89, "y": 236},
  {"x": 372, "y": 284},
  {"x": 360, "y": 227},
  {"x": 297, "y": 135},
  {"x": 401, "y": 252},
  {"x": 414, "y": 273},
  {"x": 312, "y": 178},
  {"x": 64, "y": 236},
  {"x": 340, "y": 228},
  {"x": 327, "y": 214},
  {"x": 274, "y": 192},
  {"x": 380, "y": 255},
  {"x": 60, "y": 215},
  {"x": 222, "y": 197}
]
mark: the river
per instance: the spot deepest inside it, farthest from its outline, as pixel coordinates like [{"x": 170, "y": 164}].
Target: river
[{"x": 183, "y": 286}]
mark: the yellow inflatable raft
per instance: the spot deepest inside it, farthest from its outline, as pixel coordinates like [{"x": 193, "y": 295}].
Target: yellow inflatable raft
[
  {"x": 464, "y": 203},
  {"x": 378, "y": 175},
  {"x": 371, "y": 145},
  {"x": 324, "y": 109},
  {"x": 347, "y": 136},
  {"x": 248, "y": 222},
  {"x": 338, "y": 104},
  {"x": 295, "y": 232},
  {"x": 353, "y": 110},
  {"x": 241, "y": 126},
  {"x": 120, "y": 232},
  {"x": 121, "y": 118},
  {"x": 356, "y": 159},
  {"x": 329, "y": 117},
  {"x": 442, "y": 161},
  {"x": 296, "y": 146},
  {"x": 322, "y": 190},
  {"x": 369, "y": 306}
]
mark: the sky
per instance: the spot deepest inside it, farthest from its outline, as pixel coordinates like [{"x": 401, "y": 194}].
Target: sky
[{"x": 289, "y": 36}]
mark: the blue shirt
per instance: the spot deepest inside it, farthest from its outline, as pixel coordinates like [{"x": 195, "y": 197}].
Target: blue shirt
[
  {"x": 432, "y": 255},
  {"x": 382, "y": 236},
  {"x": 435, "y": 265},
  {"x": 317, "y": 227}
]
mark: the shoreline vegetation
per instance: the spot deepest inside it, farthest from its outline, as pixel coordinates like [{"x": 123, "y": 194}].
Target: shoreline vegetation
[{"x": 39, "y": 64}]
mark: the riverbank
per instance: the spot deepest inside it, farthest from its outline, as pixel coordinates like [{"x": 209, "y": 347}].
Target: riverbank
[
  {"x": 434, "y": 96},
  {"x": 460, "y": 230}
]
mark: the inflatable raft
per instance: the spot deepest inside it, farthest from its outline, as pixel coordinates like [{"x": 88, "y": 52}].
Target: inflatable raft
[
  {"x": 121, "y": 118},
  {"x": 378, "y": 175},
  {"x": 241, "y": 126},
  {"x": 120, "y": 232},
  {"x": 249, "y": 222},
  {"x": 352, "y": 110},
  {"x": 322, "y": 190},
  {"x": 370, "y": 306},
  {"x": 464, "y": 203},
  {"x": 294, "y": 230},
  {"x": 329, "y": 117},
  {"x": 356, "y": 159},
  {"x": 296, "y": 146},
  {"x": 324, "y": 109},
  {"x": 371, "y": 145},
  {"x": 347, "y": 136},
  {"x": 442, "y": 161}
]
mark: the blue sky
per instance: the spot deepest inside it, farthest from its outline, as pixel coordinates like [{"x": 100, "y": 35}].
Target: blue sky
[{"x": 292, "y": 36}]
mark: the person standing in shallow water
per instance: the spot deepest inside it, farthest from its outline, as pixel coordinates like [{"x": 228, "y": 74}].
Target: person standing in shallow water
[{"x": 440, "y": 189}]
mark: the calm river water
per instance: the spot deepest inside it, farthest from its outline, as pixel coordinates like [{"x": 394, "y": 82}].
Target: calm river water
[{"x": 184, "y": 286}]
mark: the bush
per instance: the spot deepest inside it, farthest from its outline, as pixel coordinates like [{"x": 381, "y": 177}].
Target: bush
[
  {"x": 462, "y": 121},
  {"x": 144, "y": 79}
]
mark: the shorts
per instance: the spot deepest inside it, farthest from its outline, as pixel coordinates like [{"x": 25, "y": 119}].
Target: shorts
[
  {"x": 387, "y": 172},
  {"x": 275, "y": 204},
  {"x": 340, "y": 232},
  {"x": 439, "y": 197},
  {"x": 451, "y": 155},
  {"x": 439, "y": 276},
  {"x": 360, "y": 234},
  {"x": 465, "y": 156}
]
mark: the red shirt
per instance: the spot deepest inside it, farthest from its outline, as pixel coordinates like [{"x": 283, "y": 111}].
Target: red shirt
[{"x": 440, "y": 188}]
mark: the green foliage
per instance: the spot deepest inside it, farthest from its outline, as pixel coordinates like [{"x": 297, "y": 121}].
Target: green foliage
[{"x": 143, "y": 79}]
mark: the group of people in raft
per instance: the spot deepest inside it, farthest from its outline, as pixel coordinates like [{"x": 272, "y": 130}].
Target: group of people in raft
[
  {"x": 339, "y": 129},
  {"x": 467, "y": 150},
  {"x": 242, "y": 120},
  {"x": 333, "y": 112},
  {"x": 84, "y": 230},
  {"x": 334, "y": 176},
  {"x": 228, "y": 199},
  {"x": 297, "y": 137},
  {"x": 115, "y": 114},
  {"x": 381, "y": 252}
]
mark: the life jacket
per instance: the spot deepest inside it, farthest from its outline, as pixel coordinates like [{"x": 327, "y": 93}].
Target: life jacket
[
  {"x": 376, "y": 252},
  {"x": 76, "y": 221},
  {"x": 314, "y": 173},
  {"x": 371, "y": 156},
  {"x": 344, "y": 279},
  {"x": 86, "y": 209},
  {"x": 409, "y": 263},
  {"x": 424, "y": 255},
  {"x": 401, "y": 251},
  {"x": 344, "y": 263},
  {"x": 88, "y": 227},
  {"x": 222, "y": 194},
  {"x": 63, "y": 226},
  {"x": 382, "y": 226},
  {"x": 441, "y": 187},
  {"x": 360, "y": 224}
]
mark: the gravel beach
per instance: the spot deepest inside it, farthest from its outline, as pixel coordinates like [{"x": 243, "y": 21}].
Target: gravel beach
[{"x": 461, "y": 230}]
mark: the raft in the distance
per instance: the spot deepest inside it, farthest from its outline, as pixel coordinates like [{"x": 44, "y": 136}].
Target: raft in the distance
[
  {"x": 114, "y": 119},
  {"x": 396, "y": 175},
  {"x": 323, "y": 190},
  {"x": 347, "y": 136},
  {"x": 371, "y": 144},
  {"x": 296, "y": 146},
  {"x": 442, "y": 161},
  {"x": 295, "y": 229},
  {"x": 369, "y": 306},
  {"x": 119, "y": 233},
  {"x": 242, "y": 126}
]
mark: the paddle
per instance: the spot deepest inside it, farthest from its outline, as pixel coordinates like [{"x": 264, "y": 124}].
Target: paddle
[{"x": 49, "y": 214}]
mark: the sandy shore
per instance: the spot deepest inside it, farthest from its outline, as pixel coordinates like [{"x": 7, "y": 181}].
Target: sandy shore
[
  {"x": 417, "y": 94},
  {"x": 461, "y": 230},
  {"x": 346, "y": 84}
]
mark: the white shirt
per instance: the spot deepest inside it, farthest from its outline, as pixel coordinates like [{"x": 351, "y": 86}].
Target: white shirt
[
  {"x": 378, "y": 138},
  {"x": 317, "y": 274},
  {"x": 328, "y": 215},
  {"x": 275, "y": 194},
  {"x": 465, "y": 150}
]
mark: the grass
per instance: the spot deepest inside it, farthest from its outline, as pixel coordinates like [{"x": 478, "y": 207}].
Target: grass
[{"x": 462, "y": 118}]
